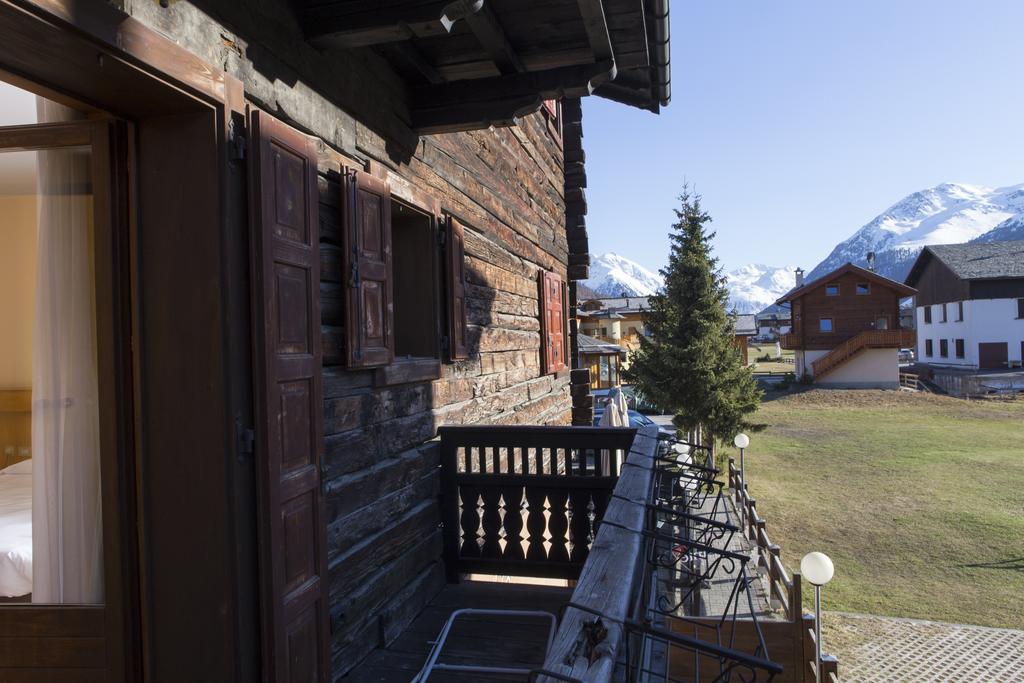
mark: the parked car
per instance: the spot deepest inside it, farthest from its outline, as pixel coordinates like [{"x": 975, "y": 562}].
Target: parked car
[
  {"x": 636, "y": 420},
  {"x": 905, "y": 355}
]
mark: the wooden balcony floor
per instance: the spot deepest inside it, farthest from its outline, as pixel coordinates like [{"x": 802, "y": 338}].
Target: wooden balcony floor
[{"x": 473, "y": 640}]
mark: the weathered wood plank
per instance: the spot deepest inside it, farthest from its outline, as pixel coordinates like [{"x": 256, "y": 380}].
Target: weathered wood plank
[{"x": 606, "y": 584}]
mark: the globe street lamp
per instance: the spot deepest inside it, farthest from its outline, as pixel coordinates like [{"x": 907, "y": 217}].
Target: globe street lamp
[
  {"x": 818, "y": 569},
  {"x": 741, "y": 442}
]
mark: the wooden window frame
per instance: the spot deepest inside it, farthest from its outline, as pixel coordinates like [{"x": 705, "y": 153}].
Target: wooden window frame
[
  {"x": 943, "y": 348},
  {"x": 959, "y": 348},
  {"x": 104, "y": 633},
  {"x": 929, "y": 349},
  {"x": 830, "y": 286},
  {"x": 927, "y": 314},
  {"x": 434, "y": 283},
  {"x": 945, "y": 316},
  {"x": 959, "y": 312},
  {"x": 552, "y": 111},
  {"x": 1020, "y": 308},
  {"x": 866, "y": 286},
  {"x": 831, "y": 322}
]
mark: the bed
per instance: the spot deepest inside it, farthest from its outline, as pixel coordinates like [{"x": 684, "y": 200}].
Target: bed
[{"x": 16, "y": 530}]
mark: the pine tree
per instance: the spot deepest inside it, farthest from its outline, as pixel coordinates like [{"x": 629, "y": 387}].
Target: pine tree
[{"x": 691, "y": 365}]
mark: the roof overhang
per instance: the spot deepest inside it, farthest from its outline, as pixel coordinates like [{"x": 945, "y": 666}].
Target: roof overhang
[
  {"x": 871, "y": 276},
  {"x": 476, "y": 63}
]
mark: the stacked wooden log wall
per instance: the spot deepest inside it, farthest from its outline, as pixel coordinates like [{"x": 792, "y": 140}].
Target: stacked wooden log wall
[
  {"x": 579, "y": 248},
  {"x": 507, "y": 186}
]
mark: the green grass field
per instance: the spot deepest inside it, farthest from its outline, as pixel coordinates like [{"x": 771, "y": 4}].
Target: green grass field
[{"x": 919, "y": 500}]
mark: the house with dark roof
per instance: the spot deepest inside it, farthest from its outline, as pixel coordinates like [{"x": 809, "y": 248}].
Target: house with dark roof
[
  {"x": 846, "y": 328},
  {"x": 970, "y": 305},
  {"x": 744, "y": 327}
]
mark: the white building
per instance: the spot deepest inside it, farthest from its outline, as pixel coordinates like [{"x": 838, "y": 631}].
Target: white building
[{"x": 970, "y": 305}]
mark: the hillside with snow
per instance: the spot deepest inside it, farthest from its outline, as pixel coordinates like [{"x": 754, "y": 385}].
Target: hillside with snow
[
  {"x": 1007, "y": 231},
  {"x": 754, "y": 287},
  {"x": 950, "y": 213},
  {"x": 612, "y": 275}
]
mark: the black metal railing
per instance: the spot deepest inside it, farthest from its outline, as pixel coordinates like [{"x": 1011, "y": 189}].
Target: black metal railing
[
  {"x": 524, "y": 500},
  {"x": 659, "y": 544}
]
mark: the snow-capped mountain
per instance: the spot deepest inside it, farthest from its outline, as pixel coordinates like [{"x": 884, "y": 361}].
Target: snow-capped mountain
[
  {"x": 755, "y": 287},
  {"x": 614, "y": 275},
  {"x": 1009, "y": 230},
  {"x": 945, "y": 214}
]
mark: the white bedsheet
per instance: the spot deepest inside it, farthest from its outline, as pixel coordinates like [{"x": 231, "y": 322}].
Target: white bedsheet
[{"x": 15, "y": 534}]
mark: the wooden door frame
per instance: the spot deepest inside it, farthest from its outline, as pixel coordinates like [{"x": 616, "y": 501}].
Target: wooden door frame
[
  {"x": 50, "y": 625},
  {"x": 92, "y": 54}
]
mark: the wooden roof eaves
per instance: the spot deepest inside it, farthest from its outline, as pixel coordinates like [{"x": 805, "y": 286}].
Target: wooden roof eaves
[{"x": 796, "y": 293}]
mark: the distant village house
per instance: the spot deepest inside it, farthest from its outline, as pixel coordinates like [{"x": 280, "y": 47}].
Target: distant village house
[
  {"x": 846, "y": 328},
  {"x": 970, "y": 305}
]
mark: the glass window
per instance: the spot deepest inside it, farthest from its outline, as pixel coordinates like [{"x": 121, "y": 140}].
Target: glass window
[
  {"x": 959, "y": 310},
  {"x": 832, "y": 289},
  {"x": 928, "y": 347},
  {"x": 944, "y": 348},
  {"x": 825, "y": 325},
  {"x": 959, "y": 348},
  {"x": 863, "y": 288},
  {"x": 1020, "y": 308},
  {"x": 50, "y": 526},
  {"x": 927, "y": 314},
  {"x": 942, "y": 310},
  {"x": 605, "y": 373}
]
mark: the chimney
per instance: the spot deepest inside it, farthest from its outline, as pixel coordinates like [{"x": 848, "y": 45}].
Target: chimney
[
  {"x": 799, "y": 277},
  {"x": 871, "y": 261}
]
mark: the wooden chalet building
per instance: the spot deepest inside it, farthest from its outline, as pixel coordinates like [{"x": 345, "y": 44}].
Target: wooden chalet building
[
  {"x": 846, "y": 328},
  {"x": 970, "y": 305},
  {"x": 285, "y": 243}
]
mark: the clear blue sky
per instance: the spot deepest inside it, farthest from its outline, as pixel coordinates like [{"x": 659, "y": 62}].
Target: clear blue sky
[{"x": 800, "y": 120}]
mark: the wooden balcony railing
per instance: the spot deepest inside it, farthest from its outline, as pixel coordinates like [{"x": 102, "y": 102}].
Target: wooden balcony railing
[
  {"x": 524, "y": 500},
  {"x": 789, "y": 341}
]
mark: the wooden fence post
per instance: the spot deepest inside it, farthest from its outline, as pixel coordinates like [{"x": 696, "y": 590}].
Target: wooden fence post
[{"x": 774, "y": 560}]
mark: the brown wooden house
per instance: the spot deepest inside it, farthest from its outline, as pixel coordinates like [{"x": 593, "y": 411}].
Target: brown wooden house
[
  {"x": 846, "y": 328},
  {"x": 306, "y": 236}
]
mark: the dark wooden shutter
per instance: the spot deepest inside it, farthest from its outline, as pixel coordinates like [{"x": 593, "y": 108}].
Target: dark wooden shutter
[
  {"x": 367, "y": 260},
  {"x": 289, "y": 438},
  {"x": 455, "y": 257},
  {"x": 552, "y": 322}
]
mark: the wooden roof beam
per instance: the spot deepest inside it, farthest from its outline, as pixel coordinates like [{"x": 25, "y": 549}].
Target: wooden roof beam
[
  {"x": 500, "y": 100},
  {"x": 596, "y": 25},
  {"x": 488, "y": 31},
  {"x": 338, "y": 25}
]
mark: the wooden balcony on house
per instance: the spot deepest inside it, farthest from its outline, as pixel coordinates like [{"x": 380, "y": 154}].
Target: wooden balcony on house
[
  {"x": 605, "y": 509},
  {"x": 879, "y": 339}
]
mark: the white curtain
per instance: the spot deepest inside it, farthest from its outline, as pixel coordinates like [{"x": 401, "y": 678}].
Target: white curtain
[{"x": 67, "y": 563}]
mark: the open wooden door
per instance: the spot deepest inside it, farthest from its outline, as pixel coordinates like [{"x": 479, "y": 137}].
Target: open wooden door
[{"x": 289, "y": 432}]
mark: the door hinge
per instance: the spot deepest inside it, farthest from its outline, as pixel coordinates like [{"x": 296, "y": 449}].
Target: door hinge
[
  {"x": 246, "y": 442},
  {"x": 353, "y": 275}
]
